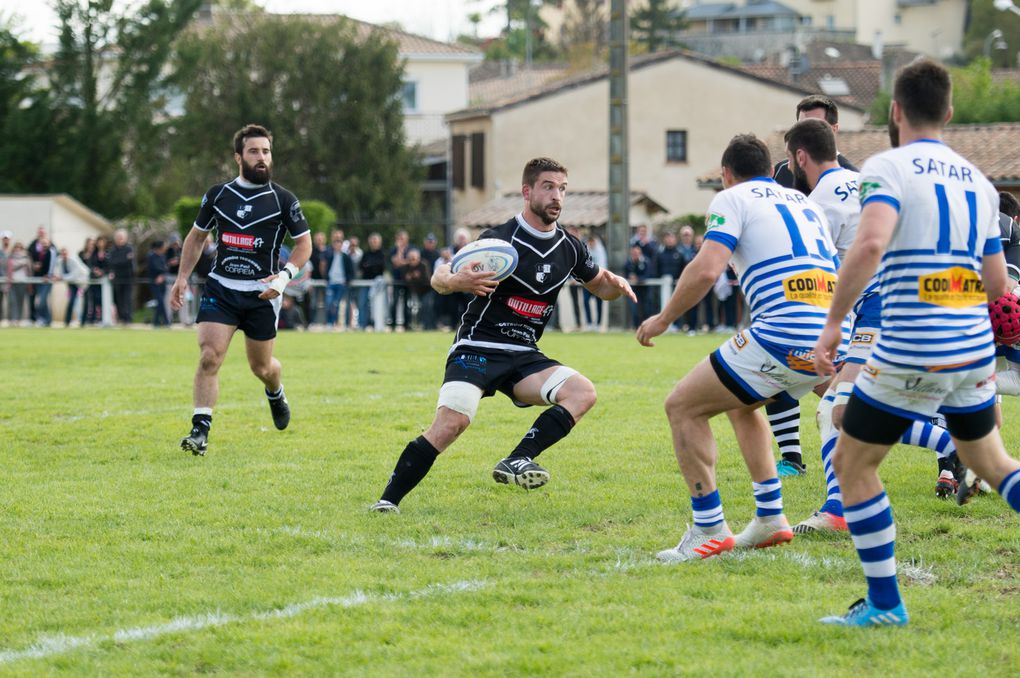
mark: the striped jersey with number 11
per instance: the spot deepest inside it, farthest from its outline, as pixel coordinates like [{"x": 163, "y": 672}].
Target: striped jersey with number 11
[
  {"x": 934, "y": 312},
  {"x": 785, "y": 260}
]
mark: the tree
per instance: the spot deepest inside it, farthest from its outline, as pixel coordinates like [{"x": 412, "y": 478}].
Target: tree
[
  {"x": 585, "y": 32},
  {"x": 331, "y": 99},
  {"x": 653, "y": 26},
  {"x": 523, "y": 37},
  {"x": 25, "y": 119},
  {"x": 105, "y": 74},
  {"x": 976, "y": 97},
  {"x": 984, "y": 19}
]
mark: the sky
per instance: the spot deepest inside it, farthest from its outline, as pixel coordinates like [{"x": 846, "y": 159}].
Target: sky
[{"x": 438, "y": 19}]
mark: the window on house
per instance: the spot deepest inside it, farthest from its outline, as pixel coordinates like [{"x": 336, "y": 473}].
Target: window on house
[
  {"x": 410, "y": 96},
  {"x": 676, "y": 145},
  {"x": 478, "y": 160},
  {"x": 458, "y": 161}
]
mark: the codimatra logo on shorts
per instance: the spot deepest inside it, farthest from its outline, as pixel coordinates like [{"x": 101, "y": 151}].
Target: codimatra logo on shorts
[
  {"x": 813, "y": 287},
  {"x": 527, "y": 307},
  {"x": 954, "y": 287},
  {"x": 245, "y": 242}
]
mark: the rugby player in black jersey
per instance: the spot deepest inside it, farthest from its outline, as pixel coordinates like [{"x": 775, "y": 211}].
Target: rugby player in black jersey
[
  {"x": 496, "y": 344},
  {"x": 251, "y": 215}
]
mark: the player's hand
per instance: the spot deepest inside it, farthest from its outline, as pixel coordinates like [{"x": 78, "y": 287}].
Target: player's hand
[
  {"x": 826, "y": 348},
  {"x": 650, "y": 329},
  {"x": 177, "y": 293},
  {"x": 275, "y": 289},
  {"x": 479, "y": 283},
  {"x": 623, "y": 286}
]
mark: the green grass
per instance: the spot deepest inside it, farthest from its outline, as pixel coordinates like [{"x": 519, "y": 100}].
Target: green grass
[{"x": 106, "y": 527}]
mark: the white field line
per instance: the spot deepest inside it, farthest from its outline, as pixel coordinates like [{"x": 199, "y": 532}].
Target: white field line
[{"x": 49, "y": 646}]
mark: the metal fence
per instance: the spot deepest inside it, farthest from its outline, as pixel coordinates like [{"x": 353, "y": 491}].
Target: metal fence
[{"x": 378, "y": 305}]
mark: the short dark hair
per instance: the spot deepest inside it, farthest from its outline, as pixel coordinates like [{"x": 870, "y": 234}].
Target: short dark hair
[
  {"x": 813, "y": 136},
  {"x": 810, "y": 103},
  {"x": 924, "y": 91},
  {"x": 249, "y": 131},
  {"x": 536, "y": 166},
  {"x": 747, "y": 156},
  {"x": 1009, "y": 205}
]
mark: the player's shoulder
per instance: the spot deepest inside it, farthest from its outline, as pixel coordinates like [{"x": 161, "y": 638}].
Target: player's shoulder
[
  {"x": 504, "y": 231},
  {"x": 216, "y": 189},
  {"x": 285, "y": 194}
]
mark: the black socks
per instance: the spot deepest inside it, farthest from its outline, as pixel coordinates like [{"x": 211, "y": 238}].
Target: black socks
[
  {"x": 550, "y": 427},
  {"x": 413, "y": 465}
]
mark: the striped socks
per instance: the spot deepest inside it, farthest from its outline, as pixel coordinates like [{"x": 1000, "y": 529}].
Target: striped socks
[
  {"x": 1009, "y": 488},
  {"x": 768, "y": 498},
  {"x": 708, "y": 511},
  {"x": 926, "y": 434},
  {"x": 833, "y": 497},
  {"x": 874, "y": 534},
  {"x": 784, "y": 420}
]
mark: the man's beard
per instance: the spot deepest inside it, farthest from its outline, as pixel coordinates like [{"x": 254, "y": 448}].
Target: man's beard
[
  {"x": 894, "y": 133},
  {"x": 800, "y": 181},
  {"x": 255, "y": 175},
  {"x": 543, "y": 213}
]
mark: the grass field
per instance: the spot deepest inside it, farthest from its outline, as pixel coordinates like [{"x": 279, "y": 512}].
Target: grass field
[{"x": 122, "y": 555}]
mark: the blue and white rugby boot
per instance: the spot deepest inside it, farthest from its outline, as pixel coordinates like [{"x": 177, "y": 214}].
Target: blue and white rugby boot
[{"x": 863, "y": 613}]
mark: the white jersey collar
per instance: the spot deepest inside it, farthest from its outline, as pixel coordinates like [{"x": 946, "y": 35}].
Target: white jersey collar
[
  {"x": 244, "y": 183},
  {"x": 544, "y": 235}
]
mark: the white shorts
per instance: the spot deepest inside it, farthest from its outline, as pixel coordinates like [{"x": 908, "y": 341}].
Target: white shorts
[
  {"x": 918, "y": 394},
  {"x": 753, "y": 374}
]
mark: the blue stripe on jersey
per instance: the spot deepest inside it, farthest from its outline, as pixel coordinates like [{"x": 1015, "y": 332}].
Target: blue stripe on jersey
[
  {"x": 992, "y": 246},
  {"x": 887, "y": 199},
  {"x": 723, "y": 239}
]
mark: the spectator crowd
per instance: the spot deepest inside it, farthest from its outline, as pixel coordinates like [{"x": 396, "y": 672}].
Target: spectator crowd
[{"x": 343, "y": 287}]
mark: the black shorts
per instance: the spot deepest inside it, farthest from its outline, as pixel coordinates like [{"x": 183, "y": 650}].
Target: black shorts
[
  {"x": 255, "y": 317},
  {"x": 494, "y": 371}
]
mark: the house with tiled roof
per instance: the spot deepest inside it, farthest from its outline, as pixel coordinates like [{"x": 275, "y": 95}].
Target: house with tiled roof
[
  {"x": 849, "y": 73},
  {"x": 682, "y": 108},
  {"x": 435, "y": 77},
  {"x": 989, "y": 146}
]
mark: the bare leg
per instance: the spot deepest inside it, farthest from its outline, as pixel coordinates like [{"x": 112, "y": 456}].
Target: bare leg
[{"x": 213, "y": 342}]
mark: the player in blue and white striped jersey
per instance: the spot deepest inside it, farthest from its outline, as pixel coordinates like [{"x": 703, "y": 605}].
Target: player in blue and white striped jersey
[
  {"x": 811, "y": 148},
  {"x": 931, "y": 219},
  {"x": 780, "y": 247}
]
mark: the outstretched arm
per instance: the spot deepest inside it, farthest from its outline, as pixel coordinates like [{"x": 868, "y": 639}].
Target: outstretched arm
[{"x": 608, "y": 286}]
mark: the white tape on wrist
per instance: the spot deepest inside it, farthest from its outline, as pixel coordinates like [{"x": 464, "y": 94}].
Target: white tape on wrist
[{"x": 281, "y": 281}]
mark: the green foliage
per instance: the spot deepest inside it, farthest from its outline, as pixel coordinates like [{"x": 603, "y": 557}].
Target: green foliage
[
  {"x": 107, "y": 525},
  {"x": 977, "y": 97},
  {"x": 524, "y": 32},
  {"x": 653, "y": 25},
  {"x": 320, "y": 216},
  {"x": 331, "y": 100},
  {"x": 879, "y": 112},
  {"x": 185, "y": 212},
  {"x": 984, "y": 19},
  {"x": 108, "y": 69}
]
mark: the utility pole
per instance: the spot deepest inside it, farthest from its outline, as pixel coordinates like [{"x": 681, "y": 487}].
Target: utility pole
[{"x": 618, "y": 228}]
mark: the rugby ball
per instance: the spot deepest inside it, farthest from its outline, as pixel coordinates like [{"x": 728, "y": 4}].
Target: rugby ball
[{"x": 488, "y": 254}]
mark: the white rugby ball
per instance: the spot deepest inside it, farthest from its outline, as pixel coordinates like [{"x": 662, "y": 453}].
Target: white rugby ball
[{"x": 488, "y": 254}]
